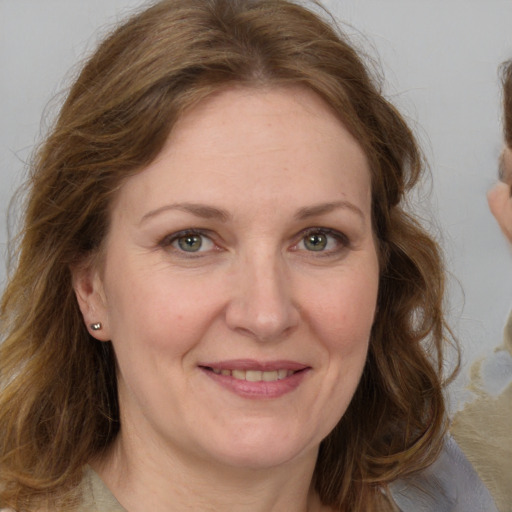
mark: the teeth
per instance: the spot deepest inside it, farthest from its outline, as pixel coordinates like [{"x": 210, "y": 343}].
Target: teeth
[
  {"x": 269, "y": 376},
  {"x": 238, "y": 374},
  {"x": 255, "y": 375}
]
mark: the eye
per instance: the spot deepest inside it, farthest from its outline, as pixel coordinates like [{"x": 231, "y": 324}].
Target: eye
[
  {"x": 322, "y": 240},
  {"x": 315, "y": 241},
  {"x": 189, "y": 242}
]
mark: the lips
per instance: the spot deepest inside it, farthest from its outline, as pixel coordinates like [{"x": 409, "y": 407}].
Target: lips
[{"x": 255, "y": 379}]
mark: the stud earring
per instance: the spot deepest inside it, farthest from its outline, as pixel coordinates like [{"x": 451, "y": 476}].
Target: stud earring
[{"x": 96, "y": 326}]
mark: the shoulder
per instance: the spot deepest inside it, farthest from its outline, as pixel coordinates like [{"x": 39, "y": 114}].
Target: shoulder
[
  {"x": 451, "y": 483},
  {"x": 92, "y": 496}
]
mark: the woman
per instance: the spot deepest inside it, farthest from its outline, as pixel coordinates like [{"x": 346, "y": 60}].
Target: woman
[{"x": 220, "y": 302}]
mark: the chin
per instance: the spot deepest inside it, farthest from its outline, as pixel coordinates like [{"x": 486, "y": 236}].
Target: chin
[
  {"x": 257, "y": 448},
  {"x": 249, "y": 458}
]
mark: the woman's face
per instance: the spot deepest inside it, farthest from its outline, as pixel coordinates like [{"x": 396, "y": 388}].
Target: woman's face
[
  {"x": 500, "y": 196},
  {"x": 239, "y": 281}
]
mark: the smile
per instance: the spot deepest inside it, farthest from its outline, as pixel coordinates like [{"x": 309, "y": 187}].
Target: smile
[
  {"x": 256, "y": 379},
  {"x": 255, "y": 375}
]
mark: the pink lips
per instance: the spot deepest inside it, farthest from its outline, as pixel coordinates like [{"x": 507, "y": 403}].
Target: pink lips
[{"x": 257, "y": 379}]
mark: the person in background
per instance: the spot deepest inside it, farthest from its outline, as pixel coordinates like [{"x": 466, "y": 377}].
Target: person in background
[
  {"x": 500, "y": 196},
  {"x": 483, "y": 429}
]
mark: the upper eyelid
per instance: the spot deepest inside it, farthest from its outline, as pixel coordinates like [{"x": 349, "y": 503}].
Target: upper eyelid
[
  {"x": 172, "y": 237},
  {"x": 328, "y": 231}
]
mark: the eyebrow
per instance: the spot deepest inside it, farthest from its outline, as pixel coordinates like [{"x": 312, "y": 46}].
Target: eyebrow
[
  {"x": 199, "y": 210},
  {"x": 210, "y": 212},
  {"x": 324, "y": 208}
]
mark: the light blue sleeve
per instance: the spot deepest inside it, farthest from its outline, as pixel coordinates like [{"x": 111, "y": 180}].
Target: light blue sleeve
[{"x": 449, "y": 485}]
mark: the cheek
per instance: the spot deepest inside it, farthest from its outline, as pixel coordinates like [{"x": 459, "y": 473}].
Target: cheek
[
  {"x": 156, "y": 323},
  {"x": 159, "y": 307},
  {"x": 344, "y": 312},
  {"x": 343, "y": 321}
]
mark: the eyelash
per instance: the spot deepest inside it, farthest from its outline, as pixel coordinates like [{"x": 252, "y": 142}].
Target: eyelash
[
  {"x": 341, "y": 239},
  {"x": 169, "y": 240}
]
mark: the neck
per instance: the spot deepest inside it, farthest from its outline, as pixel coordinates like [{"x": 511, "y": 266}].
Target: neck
[{"x": 146, "y": 477}]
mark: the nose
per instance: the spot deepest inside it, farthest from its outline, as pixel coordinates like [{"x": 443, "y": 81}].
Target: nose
[{"x": 262, "y": 304}]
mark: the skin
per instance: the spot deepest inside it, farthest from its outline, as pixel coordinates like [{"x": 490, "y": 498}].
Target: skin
[
  {"x": 500, "y": 196},
  {"x": 258, "y": 175}
]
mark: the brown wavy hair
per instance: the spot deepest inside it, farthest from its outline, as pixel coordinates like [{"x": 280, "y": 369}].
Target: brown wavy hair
[{"x": 58, "y": 404}]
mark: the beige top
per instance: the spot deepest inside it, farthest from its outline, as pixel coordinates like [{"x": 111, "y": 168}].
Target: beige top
[
  {"x": 451, "y": 484},
  {"x": 96, "y": 496},
  {"x": 483, "y": 430}
]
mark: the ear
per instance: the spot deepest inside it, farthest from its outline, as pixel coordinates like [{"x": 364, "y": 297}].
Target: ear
[{"x": 90, "y": 295}]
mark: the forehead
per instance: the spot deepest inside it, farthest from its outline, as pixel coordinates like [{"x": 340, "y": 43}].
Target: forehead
[
  {"x": 255, "y": 114},
  {"x": 250, "y": 145}
]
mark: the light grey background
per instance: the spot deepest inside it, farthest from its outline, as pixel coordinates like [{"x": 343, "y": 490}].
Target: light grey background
[{"x": 440, "y": 60}]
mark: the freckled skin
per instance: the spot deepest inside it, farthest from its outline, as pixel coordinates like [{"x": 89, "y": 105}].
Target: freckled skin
[{"x": 287, "y": 270}]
